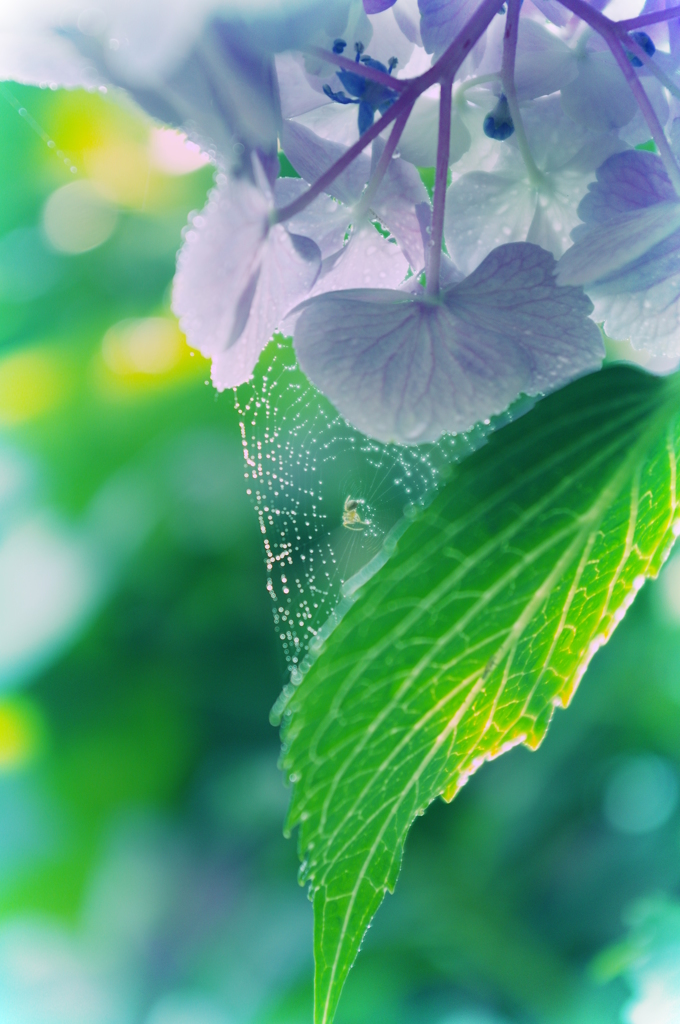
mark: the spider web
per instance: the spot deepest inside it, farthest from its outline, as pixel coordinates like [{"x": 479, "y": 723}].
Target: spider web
[{"x": 305, "y": 468}]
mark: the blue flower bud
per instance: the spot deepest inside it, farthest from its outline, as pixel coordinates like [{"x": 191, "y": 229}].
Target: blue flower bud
[
  {"x": 643, "y": 40},
  {"x": 498, "y": 124}
]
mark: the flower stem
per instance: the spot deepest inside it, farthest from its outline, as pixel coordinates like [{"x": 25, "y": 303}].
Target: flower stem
[
  {"x": 648, "y": 62},
  {"x": 444, "y": 68},
  {"x": 508, "y": 83},
  {"x": 363, "y": 206},
  {"x": 649, "y": 19},
  {"x": 348, "y": 157},
  {"x": 440, "y": 183}
]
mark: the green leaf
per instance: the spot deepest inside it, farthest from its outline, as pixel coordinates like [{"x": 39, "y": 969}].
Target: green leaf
[{"x": 479, "y": 625}]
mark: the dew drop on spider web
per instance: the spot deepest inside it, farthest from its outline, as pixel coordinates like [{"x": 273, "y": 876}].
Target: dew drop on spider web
[{"x": 326, "y": 496}]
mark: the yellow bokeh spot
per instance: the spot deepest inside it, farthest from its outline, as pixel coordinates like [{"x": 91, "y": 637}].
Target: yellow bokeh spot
[
  {"x": 121, "y": 171},
  {"x": 20, "y": 733},
  {"x": 144, "y": 355},
  {"x": 33, "y": 381},
  {"x": 151, "y": 346},
  {"x": 79, "y": 120}
]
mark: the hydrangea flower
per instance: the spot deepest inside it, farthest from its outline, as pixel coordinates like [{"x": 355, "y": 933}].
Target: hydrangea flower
[
  {"x": 627, "y": 253},
  {"x": 415, "y": 311}
]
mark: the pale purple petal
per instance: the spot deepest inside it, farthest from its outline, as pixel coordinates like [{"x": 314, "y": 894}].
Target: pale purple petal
[
  {"x": 610, "y": 247},
  {"x": 442, "y": 20},
  {"x": 403, "y": 206},
  {"x": 553, "y": 11},
  {"x": 236, "y": 279},
  {"x": 205, "y": 66},
  {"x": 311, "y": 155},
  {"x": 225, "y": 91},
  {"x": 626, "y": 182},
  {"x": 376, "y": 6},
  {"x": 514, "y": 292},
  {"x": 222, "y": 251},
  {"x": 407, "y": 17},
  {"x": 629, "y": 210},
  {"x": 400, "y": 370},
  {"x": 397, "y": 200},
  {"x": 324, "y": 220},
  {"x": 406, "y": 370},
  {"x": 627, "y": 253},
  {"x": 287, "y": 272}
]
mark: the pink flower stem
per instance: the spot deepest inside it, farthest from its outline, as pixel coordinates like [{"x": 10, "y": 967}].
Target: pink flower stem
[
  {"x": 648, "y": 62},
  {"x": 364, "y": 203},
  {"x": 508, "y": 84},
  {"x": 440, "y": 182},
  {"x": 348, "y": 157},
  {"x": 649, "y": 19},
  {"x": 357, "y": 68},
  {"x": 445, "y": 68},
  {"x": 608, "y": 31}
]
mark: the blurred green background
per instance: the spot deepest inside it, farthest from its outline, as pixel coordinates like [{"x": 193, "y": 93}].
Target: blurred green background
[{"x": 144, "y": 878}]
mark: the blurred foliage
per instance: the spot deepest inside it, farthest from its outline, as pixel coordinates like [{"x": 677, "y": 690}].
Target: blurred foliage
[{"x": 143, "y": 874}]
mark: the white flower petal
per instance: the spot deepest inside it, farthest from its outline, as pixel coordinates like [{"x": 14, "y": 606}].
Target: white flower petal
[
  {"x": 554, "y": 139},
  {"x": 406, "y": 369},
  {"x": 334, "y": 122},
  {"x": 388, "y": 39},
  {"x": 484, "y": 211},
  {"x": 544, "y": 63},
  {"x": 298, "y": 92},
  {"x": 418, "y": 143},
  {"x": 650, "y": 319},
  {"x": 45, "y": 59},
  {"x": 599, "y": 98},
  {"x": 367, "y": 261}
]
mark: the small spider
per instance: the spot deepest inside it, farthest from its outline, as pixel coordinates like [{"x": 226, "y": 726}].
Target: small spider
[{"x": 351, "y": 518}]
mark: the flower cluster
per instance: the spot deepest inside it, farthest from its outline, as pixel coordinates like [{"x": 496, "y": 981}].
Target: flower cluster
[{"x": 416, "y": 312}]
